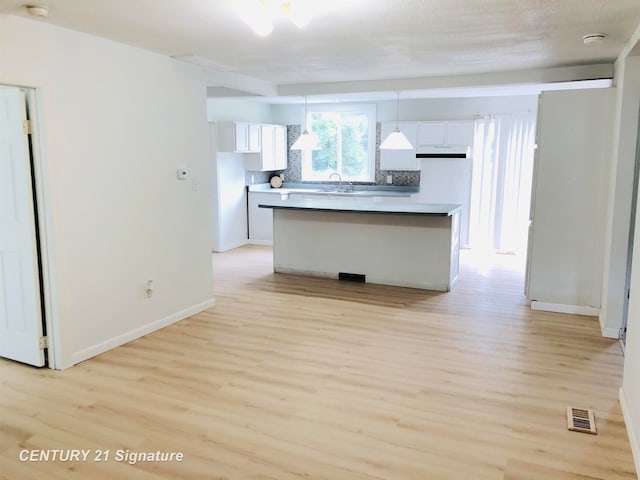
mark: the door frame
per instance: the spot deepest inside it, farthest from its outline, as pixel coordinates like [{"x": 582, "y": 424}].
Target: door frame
[
  {"x": 632, "y": 228},
  {"x": 42, "y": 196}
]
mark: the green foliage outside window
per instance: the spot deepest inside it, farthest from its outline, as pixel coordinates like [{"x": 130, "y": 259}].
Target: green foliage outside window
[{"x": 344, "y": 145}]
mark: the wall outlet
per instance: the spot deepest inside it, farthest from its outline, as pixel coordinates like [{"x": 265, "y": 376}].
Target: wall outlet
[
  {"x": 252, "y": 179},
  {"x": 282, "y": 176},
  {"x": 389, "y": 179},
  {"x": 195, "y": 184}
]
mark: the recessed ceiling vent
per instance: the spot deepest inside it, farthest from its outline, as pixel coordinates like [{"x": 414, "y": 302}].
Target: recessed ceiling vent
[{"x": 581, "y": 420}]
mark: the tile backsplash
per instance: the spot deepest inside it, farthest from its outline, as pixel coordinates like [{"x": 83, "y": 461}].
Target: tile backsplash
[{"x": 293, "y": 173}]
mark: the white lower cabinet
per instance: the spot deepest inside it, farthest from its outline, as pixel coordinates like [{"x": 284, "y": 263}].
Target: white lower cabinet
[{"x": 261, "y": 219}]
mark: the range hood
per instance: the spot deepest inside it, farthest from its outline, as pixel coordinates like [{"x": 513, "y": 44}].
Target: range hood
[{"x": 444, "y": 151}]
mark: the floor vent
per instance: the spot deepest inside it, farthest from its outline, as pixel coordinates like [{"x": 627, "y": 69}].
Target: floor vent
[
  {"x": 352, "y": 277},
  {"x": 581, "y": 420}
]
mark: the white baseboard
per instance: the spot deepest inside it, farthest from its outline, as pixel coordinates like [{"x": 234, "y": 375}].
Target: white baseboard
[
  {"x": 136, "y": 333},
  {"x": 633, "y": 440},
  {"x": 260, "y": 242},
  {"x": 563, "y": 308},
  {"x": 230, "y": 246},
  {"x": 608, "y": 332}
]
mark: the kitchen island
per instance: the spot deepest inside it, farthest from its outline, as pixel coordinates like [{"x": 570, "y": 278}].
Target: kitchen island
[{"x": 404, "y": 244}]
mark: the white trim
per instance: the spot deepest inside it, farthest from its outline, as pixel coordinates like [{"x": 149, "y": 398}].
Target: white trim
[
  {"x": 633, "y": 440},
  {"x": 231, "y": 246},
  {"x": 136, "y": 333},
  {"x": 562, "y": 308},
  {"x": 439, "y": 287},
  {"x": 260, "y": 242},
  {"x": 41, "y": 173},
  {"x": 607, "y": 332},
  {"x": 45, "y": 227}
]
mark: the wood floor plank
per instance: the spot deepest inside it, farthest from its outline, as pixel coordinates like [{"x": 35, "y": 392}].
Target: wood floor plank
[{"x": 293, "y": 378}]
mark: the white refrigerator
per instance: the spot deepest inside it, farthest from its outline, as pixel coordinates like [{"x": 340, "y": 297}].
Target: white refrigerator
[
  {"x": 448, "y": 180},
  {"x": 229, "y": 197}
]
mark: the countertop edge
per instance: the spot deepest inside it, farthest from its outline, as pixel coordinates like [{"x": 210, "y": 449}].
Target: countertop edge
[{"x": 391, "y": 209}]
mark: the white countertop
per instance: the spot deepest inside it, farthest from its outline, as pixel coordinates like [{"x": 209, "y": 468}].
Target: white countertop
[{"x": 337, "y": 205}]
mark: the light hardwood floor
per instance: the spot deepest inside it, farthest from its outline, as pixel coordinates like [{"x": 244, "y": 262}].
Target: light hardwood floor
[{"x": 301, "y": 378}]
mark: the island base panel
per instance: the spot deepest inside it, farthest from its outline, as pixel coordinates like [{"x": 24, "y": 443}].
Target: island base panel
[{"x": 404, "y": 250}]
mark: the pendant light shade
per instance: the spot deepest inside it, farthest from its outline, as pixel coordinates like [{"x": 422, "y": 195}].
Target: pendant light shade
[
  {"x": 306, "y": 140},
  {"x": 396, "y": 140}
]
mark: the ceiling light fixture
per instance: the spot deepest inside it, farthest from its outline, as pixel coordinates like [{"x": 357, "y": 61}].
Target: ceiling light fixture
[
  {"x": 37, "y": 10},
  {"x": 593, "y": 38},
  {"x": 396, "y": 139},
  {"x": 306, "y": 140},
  {"x": 259, "y": 14}
]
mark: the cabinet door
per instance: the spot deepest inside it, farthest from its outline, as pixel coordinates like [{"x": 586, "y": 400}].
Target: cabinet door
[
  {"x": 268, "y": 150},
  {"x": 253, "y": 134},
  {"x": 260, "y": 219},
  {"x": 241, "y": 137},
  {"x": 399, "y": 159},
  {"x": 280, "y": 133},
  {"x": 432, "y": 133},
  {"x": 460, "y": 133}
]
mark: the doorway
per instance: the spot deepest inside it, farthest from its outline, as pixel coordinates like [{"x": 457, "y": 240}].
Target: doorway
[
  {"x": 503, "y": 154},
  {"x": 23, "y": 319}
]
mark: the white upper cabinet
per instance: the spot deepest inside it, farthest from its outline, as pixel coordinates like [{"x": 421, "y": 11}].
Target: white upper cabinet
[
  {"x": 268, "y": 152},
  {"x": 446, "y": 133},
  {"x": 273, "y": 150},
  {"x": 460, "y": 133},
  {"x": 241, "y": 137},
  {"x": 432, "y": 133},
  {"x": 399, "y": 159},
  {"x": 265, "y": 145},
  {"x": 247, "y": 137},
  {"x": 280, "y": 133}
]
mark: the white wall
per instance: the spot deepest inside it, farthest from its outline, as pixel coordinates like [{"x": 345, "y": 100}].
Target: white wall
[
  {"x": 630, "y": 391},
  {"x": 235, "y": 109},
  {"x": 621, "y": 187},
  {"x": 626, "y": 137},
  {"x": 118, "y": 121}
]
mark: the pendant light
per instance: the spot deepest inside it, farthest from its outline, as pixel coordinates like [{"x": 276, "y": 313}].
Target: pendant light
[
  {"x": 396, "y": 139},
  {"x": 306, "y": 140}
]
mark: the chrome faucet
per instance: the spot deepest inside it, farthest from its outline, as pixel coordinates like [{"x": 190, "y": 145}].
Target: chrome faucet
[{"x": 339, "y": 180}]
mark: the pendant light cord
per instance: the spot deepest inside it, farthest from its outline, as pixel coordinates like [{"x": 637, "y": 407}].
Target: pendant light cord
[
  {"x": 305, "y": 114},
  {"x": 397, "y": 110}
]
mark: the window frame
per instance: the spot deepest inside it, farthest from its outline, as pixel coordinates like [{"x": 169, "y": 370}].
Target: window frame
[{"x": 368, "y": 109}]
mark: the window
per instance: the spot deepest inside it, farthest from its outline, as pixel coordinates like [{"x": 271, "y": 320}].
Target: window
[{"x": 347, "y": 135}]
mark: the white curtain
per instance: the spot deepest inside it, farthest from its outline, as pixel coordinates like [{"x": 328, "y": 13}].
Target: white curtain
[{"x": 501, "y": 185}]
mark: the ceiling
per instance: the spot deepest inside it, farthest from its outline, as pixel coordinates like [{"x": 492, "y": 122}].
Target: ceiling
[{"x": 351, "y": 41}]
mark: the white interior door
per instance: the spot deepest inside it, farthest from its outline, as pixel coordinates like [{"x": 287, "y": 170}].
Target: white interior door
[{"x": 20, "y": 307}]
